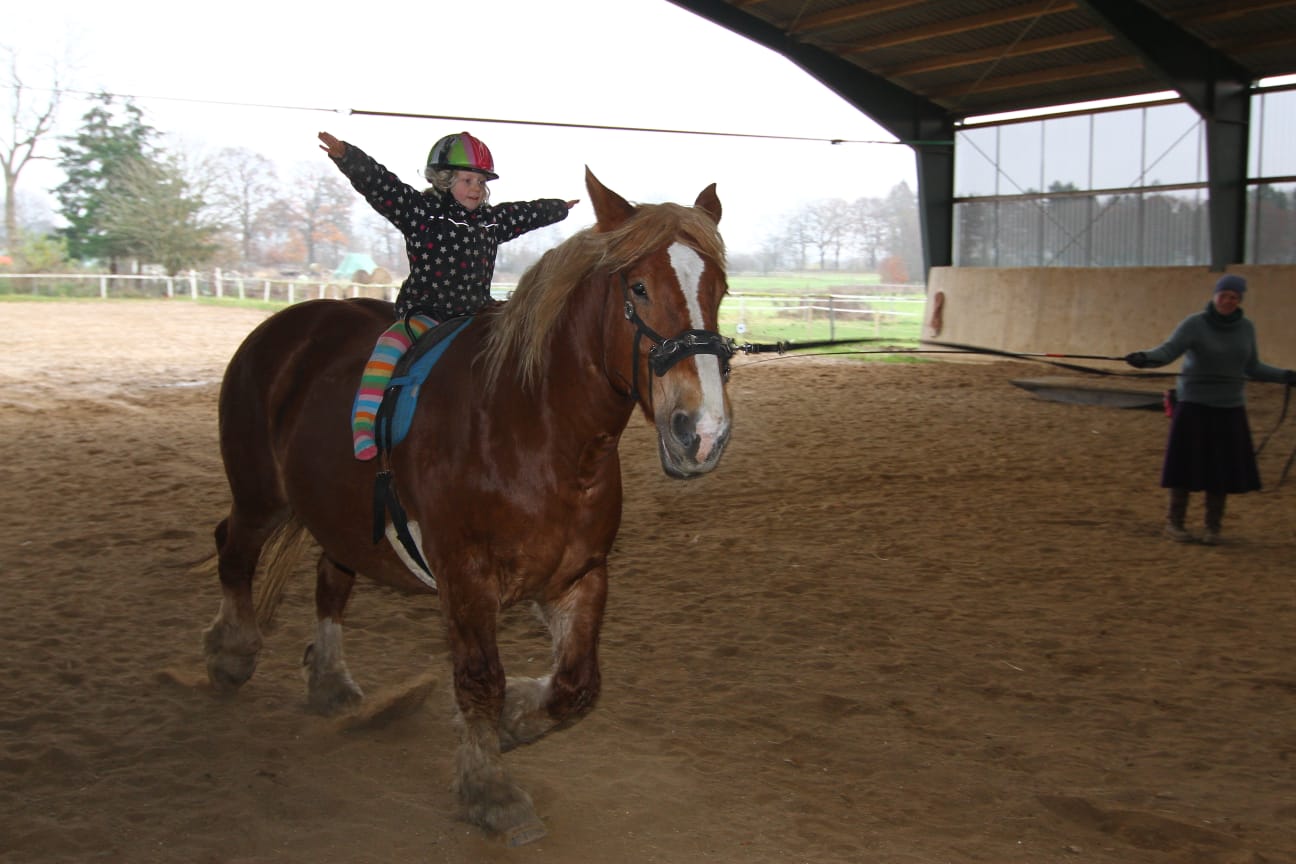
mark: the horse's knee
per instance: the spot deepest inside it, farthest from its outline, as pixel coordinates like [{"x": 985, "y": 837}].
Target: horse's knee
[{"x": 479, "y": 685}]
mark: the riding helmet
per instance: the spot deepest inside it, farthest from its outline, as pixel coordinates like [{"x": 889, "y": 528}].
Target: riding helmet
[{"x": 462, "y": 152}]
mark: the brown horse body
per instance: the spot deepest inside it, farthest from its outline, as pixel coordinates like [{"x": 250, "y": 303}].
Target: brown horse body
[{"x": 510, "y": 477}]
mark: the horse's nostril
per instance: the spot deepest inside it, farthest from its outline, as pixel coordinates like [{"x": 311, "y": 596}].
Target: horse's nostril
[{"x": 684, "y": 429}]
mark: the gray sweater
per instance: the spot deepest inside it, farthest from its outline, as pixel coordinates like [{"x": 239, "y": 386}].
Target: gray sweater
[{"x": 1219, "y": 355}]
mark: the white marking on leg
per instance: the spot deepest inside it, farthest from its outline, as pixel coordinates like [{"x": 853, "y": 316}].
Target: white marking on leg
[
  {"x": 328, "y": 645},
  {"x": 409, "y": 562}
]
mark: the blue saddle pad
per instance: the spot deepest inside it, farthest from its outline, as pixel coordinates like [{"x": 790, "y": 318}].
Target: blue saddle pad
[{"x": 404, "y": 388}]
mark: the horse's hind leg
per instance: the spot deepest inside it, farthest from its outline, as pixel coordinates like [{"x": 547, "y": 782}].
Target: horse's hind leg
[
  {"x": 233, "y": 640},
  {"x": 534, "y": 707},
  {"x": 329, "y": 687}
]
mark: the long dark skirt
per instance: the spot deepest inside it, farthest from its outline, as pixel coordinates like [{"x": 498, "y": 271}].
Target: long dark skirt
[{"x": 1210, "y": 450}]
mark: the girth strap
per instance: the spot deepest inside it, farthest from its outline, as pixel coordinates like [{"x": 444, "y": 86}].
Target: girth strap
[{"x": 386, "y": 501}]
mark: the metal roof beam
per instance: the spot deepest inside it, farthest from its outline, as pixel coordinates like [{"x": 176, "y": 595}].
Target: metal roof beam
[
  {"x": 908, "y": 116},
  {"x": 922, "y": 124},
  {"x": 1218, "y": 88}
]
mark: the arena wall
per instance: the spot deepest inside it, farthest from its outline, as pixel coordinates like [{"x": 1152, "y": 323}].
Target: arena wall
[{"x": 1106, "y": 311}]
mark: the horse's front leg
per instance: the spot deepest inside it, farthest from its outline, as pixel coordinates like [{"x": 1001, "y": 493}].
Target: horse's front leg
[
  {"x": 329, "y": 687},
  {"x": 534, "y": 707},
  {"x": 487, "y": 793}
]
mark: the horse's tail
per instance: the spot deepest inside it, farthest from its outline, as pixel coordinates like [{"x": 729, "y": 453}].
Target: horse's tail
[{"x": 280, "y": 553}]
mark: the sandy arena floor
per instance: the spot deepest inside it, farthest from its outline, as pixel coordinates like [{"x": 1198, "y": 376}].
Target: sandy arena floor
[{"x": 917, "y": 616}]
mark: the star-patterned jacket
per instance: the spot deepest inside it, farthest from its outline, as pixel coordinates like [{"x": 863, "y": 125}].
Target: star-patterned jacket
[{"x": 451, "y": 249}]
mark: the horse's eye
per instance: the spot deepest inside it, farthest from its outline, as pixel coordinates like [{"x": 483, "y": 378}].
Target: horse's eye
[{"x": 639, "y": 289}]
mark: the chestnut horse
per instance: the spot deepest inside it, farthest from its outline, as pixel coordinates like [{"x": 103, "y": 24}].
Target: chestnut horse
[{"x": 510, "y": 477}]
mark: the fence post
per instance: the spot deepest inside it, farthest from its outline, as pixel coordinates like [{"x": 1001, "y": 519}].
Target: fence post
[
  {"x": 217, "y": 288},
  {"x": 103, "y": 287},
  {"x": 170, "y": 283},
  {"x": 832, "y": 319},
  {"x": 267, "y": 291},
  {"x": 242, "y": 293},
  {"x": 291, "y": 292},
  {"x": 193, "y": 284}
]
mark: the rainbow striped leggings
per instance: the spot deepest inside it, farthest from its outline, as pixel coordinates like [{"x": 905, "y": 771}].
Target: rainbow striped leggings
[{"x": 391, "y": 346}]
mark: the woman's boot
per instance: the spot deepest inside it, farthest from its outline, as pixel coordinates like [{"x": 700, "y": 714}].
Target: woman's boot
[
  {"x": 1174, "y": 528},
  {"x": 1214, "y": 517}
]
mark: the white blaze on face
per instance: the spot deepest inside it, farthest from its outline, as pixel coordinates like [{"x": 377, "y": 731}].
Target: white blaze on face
[{"x": 711, "y": 421}]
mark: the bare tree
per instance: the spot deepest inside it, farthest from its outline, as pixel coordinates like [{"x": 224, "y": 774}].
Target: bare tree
[
  {"x": 241, "y": 187},
  {"x": 828, "y": 222},
  {"x": 320, "y": 213},
  {"x": 869, "y": 229},
  {"x": 798, "y": 238},
  {"x": 905, "y": 233},
  {"x": 30, "y": 121},
  {"x": 381, "y": 239}
]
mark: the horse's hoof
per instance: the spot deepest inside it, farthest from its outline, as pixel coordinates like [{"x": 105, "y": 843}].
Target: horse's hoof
[
  {"x": 228, "y": 672},
  {"x": 230, "y": 662},
  {"x": 524, "y": 834}
]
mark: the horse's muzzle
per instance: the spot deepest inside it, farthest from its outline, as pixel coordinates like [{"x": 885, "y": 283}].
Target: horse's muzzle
[{"x": 692, "y": 443}]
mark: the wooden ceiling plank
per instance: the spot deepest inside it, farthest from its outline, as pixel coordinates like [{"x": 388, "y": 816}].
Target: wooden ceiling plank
[
  {"x": 993, "y": 18},
  {"x": 849, "y": 14},
  {"x": 1043, "y": 76},
  {"x": 1230, "y": 11},
  {"x": 1075, "y": 39}
]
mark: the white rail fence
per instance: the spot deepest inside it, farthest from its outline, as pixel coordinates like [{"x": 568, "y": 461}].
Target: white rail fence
[
  {"x": 741, "y": 310},
  {"x": 193, "y": 285},
  {"x": 847, "y": 311}
]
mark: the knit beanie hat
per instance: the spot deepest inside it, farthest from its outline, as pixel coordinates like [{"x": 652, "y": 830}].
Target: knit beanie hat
[{"x": 1230, "y": 282}]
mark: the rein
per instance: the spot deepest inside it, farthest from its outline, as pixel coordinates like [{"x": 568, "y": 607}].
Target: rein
[
  {"x": 1282, "y": 416},
  {"x": 1051, "y": 359},
  {"x": 665, "y": 353}
]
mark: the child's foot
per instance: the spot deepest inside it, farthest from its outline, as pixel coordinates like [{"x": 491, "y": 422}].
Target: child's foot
[{"x": 365, "y": 446}]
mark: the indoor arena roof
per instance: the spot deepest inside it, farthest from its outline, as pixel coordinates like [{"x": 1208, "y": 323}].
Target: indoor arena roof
[{"x": 974, "y": 57}]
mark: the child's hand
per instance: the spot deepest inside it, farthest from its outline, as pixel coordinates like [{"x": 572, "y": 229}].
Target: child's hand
[{"x": 333, "y": 147}]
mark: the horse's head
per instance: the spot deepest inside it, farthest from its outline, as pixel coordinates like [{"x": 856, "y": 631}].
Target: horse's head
[{"x": 666, "y": 266}]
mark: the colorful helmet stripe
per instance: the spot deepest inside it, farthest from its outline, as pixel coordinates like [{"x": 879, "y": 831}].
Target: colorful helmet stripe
[{"x": 462, "y": 152}]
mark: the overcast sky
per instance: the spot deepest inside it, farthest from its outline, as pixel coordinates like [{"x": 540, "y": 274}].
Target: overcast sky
[{"x": 639, "y": 63}]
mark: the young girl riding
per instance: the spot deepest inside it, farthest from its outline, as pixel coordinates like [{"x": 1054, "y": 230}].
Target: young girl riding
[{"x": 451, "y": 237}]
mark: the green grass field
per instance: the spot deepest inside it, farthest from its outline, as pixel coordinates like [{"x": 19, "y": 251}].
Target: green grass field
[
  {"x": 788, "y": 307},
  {"x": 811, "y": 307}
]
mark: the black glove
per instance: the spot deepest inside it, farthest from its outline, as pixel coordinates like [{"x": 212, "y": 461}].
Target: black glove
[{"x": 1137, "y": 359}]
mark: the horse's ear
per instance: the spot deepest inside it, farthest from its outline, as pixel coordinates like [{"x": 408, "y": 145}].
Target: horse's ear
[
  {"x": 610, "y": 209},
  {"x": 709, "y": 202}
]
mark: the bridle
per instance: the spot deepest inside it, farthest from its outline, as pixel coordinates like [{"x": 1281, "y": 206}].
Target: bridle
[{"x": 665, "y": 353}]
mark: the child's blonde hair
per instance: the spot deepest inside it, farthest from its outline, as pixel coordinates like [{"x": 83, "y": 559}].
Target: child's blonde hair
[{"x": 443, "y": 178}]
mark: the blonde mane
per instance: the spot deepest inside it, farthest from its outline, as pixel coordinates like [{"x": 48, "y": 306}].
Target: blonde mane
[{"x": 522, "y": 328}]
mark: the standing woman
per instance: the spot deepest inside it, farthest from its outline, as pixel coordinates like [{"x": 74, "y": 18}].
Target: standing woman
[{"x": 1210, "y": 449}]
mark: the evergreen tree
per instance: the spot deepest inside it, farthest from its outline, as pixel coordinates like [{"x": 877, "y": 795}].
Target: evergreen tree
[
  {"x": 94, "y": 161},
  {"x": 156, "y": 217}
]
